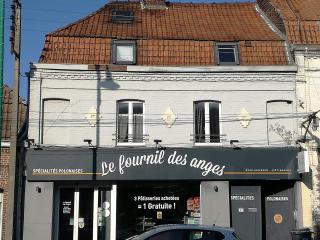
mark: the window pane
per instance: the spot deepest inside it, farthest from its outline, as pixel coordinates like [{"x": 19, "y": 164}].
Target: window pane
[
  {"x": 123, "y": 122},
  {"x": 85, "y": 214},
  {"x": 137, "y": 108},
  {"x": 123, "y": 108},
  {"x": 137, "y": 130},
  {"x": 137, "y": 122},
  {"x": 227, "y": 54},
  {"x": 199, "y": 122},
  {"x": 124, "y": 53},
  {"x": 206, "y": 235},
  {"x": 214, "y": 122},
  {"x": 171, "y": 235},
  {"x": 103, "y": 218},
  {"x": 66, "y": 210}
]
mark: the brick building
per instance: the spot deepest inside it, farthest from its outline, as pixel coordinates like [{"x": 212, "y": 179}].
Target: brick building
[{"x": 5, "y": 150}]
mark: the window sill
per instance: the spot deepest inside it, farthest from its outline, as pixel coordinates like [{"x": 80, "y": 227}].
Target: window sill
[
  {"x": 128, "y": 144},
  {"x": 124, "y": 63},
  {"x": 208, "y": 144}
]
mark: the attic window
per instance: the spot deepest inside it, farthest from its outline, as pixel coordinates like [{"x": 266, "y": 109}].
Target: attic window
[
  {"x": 122, "y": 16},
  {"x": 124, "y": 52},
  {"x": 227, "y": 53}
]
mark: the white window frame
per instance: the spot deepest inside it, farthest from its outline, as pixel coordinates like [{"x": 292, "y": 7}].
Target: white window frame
[
  {"x": 207, "y": 124},
  {"x": 130, "y": 123}
]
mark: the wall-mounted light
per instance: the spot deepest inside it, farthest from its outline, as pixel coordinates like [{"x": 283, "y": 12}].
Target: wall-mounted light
[
  {"x": 158, "y": 146},
  {"x": 233, "y": 145},
  {"x": 89, "y": 141},
  {"x": 31, "y": 143},
  {"x": 216, "y": 188}
]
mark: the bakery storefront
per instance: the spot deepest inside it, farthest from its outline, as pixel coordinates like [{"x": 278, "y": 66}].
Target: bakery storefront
[{"x": 114, "y": 193}]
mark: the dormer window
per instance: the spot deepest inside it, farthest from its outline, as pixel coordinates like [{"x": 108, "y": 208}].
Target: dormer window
[
  {"x": 227, "y": 53},
  {"x": 122, "y": 16},
  {"x": 124, "y": 52}
]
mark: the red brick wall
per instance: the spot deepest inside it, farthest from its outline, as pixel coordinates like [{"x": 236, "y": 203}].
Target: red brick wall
[{"x": 5, "y": 156}]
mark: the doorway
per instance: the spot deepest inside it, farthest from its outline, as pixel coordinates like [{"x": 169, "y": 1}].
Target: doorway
[
  {"x": 279, "y": 212},
  {"x": 84, "y": 213},
  {"x": 246, "y": 211}
]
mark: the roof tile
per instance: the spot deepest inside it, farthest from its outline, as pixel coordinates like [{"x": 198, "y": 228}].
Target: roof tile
[
  {"x": 183, "y": 34},
  {"x": 223, "y": 22},
  {"x": 301, "y": 20}
]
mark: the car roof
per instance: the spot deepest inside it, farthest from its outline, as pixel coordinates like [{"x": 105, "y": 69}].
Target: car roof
[{"x": 166, "y": 227}]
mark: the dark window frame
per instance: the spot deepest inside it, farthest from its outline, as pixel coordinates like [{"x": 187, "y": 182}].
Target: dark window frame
[
  {"x": 117, "y": 43},
  {"x": 211, "y": 139},
  {"x": 235, "y": 46}
]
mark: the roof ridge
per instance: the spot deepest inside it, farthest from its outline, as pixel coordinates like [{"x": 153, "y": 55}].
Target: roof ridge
[{"x": 213, "y": 3}]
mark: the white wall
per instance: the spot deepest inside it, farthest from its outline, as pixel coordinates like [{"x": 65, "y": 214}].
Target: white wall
[
  {"x": 100, "y": 89},
  {"x": 308, "y": 101}
]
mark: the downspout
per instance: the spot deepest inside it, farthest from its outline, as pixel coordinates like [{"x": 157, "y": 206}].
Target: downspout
[
  {"x": 40, "y": 110},
  {"x": 278, "y": 32}
]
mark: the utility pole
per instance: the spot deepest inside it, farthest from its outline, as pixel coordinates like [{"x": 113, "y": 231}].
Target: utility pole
[
  {"x": 1, "y": 63},
  {"x": 15, "y": 50}
]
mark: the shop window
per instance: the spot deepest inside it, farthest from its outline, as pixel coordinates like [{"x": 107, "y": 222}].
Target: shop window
[
  {"x": 130, "y": 122},
  {"x": 141, "y": 206},
  {"x": 207, "y": 121},
  {"x": 124, "y": 52},
  {"x": 227, "y": 53}
]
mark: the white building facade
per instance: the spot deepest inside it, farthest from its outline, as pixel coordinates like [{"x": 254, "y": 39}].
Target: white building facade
[{"x": 129, "y": 129}]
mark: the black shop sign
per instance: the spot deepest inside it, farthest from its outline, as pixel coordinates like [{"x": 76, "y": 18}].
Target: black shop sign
[{"x": 162, "y": 164}]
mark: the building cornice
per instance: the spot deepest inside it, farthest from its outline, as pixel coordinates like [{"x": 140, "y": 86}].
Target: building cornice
[{"x": 79, "y": 67}]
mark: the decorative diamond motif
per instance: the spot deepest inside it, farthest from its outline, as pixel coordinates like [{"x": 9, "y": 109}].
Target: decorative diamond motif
[
  {"x": 169, "y": 117},
  {"x": 244, "y": 118},
  {"x": 93, "y": 117}
]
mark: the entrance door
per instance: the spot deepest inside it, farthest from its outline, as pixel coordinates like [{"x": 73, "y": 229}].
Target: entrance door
[
  {"x": 246, "y": 211},
  {"x": 84, "y": 213},
  {"x": 279, "y": 213}
]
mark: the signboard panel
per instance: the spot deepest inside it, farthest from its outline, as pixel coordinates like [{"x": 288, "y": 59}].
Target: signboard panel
[
  {"x": 163, "y": 164},
  {"x": 50, "y": 165}
]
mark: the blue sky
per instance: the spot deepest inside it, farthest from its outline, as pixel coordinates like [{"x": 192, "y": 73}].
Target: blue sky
[{"x": 43, "y": 16}]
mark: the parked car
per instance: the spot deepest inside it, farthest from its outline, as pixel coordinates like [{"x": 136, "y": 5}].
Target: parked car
[{"x": 187, "y": 232}]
